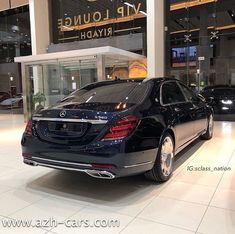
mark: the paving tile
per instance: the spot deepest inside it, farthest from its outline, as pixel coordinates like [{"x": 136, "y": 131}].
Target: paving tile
[
  {"x": 174, "y": 212},
  {"x": 189, "y": 192},
  {"x": 140, "y": 226},
  {"x": 218, "y": 221}
]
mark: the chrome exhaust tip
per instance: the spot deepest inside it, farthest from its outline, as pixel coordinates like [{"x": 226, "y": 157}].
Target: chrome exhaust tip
[{"x": 100, "y": 174}]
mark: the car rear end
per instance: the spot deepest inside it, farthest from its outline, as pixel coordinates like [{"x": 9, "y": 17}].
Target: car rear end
[{"x": 92, "y": 131}]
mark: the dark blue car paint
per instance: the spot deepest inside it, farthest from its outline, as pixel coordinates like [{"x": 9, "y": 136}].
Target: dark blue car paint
[{"x": 140, "y": 148}]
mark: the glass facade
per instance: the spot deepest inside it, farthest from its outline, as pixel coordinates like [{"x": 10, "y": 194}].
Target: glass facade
[
  {"x": 50, "y": 81},
  {"x": 15, "y": 37},
  {"x": 47, "y": 82},
  {"x": 201, "y": 41},
  {"x": 15, "y": 41}
]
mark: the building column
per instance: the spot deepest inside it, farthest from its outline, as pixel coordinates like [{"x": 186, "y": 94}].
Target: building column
[
  {"x": 204, "y": 46},
  {"x": 39, "y": 21},
  {"x": 156, "y": 38},
  {"x": 222, "y": 61},
  {"x": 101, "y": 67},
  {"x": 167, "y": 39}
]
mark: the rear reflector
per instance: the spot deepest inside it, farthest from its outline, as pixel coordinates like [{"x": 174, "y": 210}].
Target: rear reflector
[
  {"x": 26, "y": 155},
  {"x": 29, "y": 128},
  {"x": 123, "y": 128},
  {"x": 103, "y": 166}
]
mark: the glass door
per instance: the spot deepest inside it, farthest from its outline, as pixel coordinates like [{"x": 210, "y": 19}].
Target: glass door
[
  {"x": 34, "y": 87},
  {"x": 49, "y": 82},
  {"x": 77, "y": 73}
]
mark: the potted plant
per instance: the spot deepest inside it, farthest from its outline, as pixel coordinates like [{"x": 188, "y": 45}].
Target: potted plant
[{"x": 38, "y": 98}]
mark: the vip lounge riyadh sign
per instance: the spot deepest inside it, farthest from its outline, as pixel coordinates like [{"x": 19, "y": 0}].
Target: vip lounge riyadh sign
[{"x": 100, "y": 20}]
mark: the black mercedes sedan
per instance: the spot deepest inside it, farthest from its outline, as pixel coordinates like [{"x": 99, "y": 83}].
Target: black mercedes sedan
[
  {"x": 222, "y": 99},
  {"x": 118, "y": 128}
]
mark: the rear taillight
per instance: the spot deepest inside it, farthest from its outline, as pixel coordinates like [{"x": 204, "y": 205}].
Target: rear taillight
[
  {"x": 29, "y": 128},
  {"x": 123, "y": 128}
]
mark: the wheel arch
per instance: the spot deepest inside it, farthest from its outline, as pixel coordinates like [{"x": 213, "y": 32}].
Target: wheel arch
[{"x": 171, "y": 132}]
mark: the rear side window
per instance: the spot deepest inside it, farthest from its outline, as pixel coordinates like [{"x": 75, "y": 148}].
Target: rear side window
[
  {"x": 171, "y": 93},
  {"x": 188, "y": 93}
]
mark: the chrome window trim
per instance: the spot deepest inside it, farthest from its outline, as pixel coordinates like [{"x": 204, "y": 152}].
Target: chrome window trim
[
  {"x": 139, "y": 164},
  {"x": 174, "y": 103},
  {"x": 92, "y": 121}
]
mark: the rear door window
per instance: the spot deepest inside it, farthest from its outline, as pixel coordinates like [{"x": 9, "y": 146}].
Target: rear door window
[
  {"x": 188, "y": 93},
  {"x": 171, "y": 93}
]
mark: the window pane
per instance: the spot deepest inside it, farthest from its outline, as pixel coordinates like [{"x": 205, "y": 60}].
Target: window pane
[
  {"x": 188, "y": 93},
  {"x": 171, "y": 93}
]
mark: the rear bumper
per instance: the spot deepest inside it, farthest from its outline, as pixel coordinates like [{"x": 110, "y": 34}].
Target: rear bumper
[
  {"x": 96, "y": 173},
  {"x": 101, "y": 163},
  {"x": 102, "y": 174}
]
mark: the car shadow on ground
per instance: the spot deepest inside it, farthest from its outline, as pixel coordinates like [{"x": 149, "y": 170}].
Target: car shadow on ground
[{"x": 80, "y": 187}]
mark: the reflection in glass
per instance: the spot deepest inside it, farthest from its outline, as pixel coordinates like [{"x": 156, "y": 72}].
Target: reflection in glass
[{"x": 202, "y": 41}]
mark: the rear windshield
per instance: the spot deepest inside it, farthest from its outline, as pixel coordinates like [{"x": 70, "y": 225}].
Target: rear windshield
[{"x": 129, "y": 93}]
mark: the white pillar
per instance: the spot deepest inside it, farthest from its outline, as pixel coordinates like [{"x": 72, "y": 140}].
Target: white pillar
[
  {"x": 156, "y": 38},
  {"x": 101, "y": 67},
  {"x": 39, "y": 20}
]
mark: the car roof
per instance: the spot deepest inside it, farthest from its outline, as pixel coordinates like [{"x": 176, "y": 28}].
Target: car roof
[
  {"x": 124, "y": 80},
  {"x": 110, "y": 82},
  {"x": 135, "y": 80},
  {"x": 219, "y": 87}
]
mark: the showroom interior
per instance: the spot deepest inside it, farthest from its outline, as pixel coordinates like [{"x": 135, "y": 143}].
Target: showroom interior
[{"x": 51, "y": 48}]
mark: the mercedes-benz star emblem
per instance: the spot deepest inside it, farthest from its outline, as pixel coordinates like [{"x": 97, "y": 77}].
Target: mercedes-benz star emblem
[{"x": 62, "y": 114}]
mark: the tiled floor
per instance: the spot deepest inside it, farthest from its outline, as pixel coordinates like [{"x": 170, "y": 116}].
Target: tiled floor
[{"x": 191, "y": 202}]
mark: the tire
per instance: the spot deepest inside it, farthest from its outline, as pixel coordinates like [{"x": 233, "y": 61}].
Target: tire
[
  {"x": 162, "y": 169},
  {"x": 209, "y": 131}
]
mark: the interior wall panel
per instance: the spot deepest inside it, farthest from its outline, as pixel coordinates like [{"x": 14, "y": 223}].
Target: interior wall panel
[
  {"x": 4, "y": 5},
  {"x": 17, "y": 3}
]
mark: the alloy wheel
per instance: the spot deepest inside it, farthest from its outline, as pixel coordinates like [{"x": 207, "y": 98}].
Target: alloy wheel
[
  {"x": 210, "y": 125},
  {"x": 167, "y": 156}
]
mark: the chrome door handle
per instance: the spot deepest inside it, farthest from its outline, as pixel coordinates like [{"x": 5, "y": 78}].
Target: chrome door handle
[
  {"x": 193, "y": 108},
  {"x": 177, "y": 109}
]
